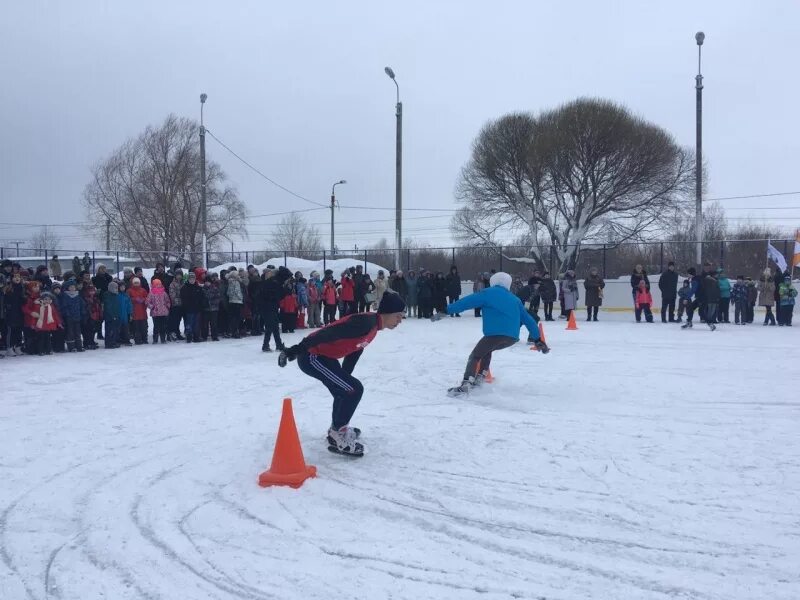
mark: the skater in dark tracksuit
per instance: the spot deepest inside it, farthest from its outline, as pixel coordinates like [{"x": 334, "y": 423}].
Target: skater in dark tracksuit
[
  {"x": 502, "y": 314},
  {"x": 318, "y": 357}
]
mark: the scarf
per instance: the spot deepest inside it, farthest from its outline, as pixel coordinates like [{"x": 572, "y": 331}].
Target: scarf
[{"x": 48, "y": 310}]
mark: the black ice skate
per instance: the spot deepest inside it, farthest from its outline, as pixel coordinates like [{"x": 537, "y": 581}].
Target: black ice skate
[
  {"x": 343, "y": 441},
  {"x": 463, "y": 389}
]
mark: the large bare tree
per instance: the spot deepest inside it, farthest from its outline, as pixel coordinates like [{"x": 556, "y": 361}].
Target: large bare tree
[
  {"x": 149, "y": 189},
  {"x": 45, "y": 239},
  {"x": 586, "y": 171},
  {"x": 294, "y": 234}
]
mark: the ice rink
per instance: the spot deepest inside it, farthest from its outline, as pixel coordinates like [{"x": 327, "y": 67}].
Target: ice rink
[{"x": 632, "y": 462}]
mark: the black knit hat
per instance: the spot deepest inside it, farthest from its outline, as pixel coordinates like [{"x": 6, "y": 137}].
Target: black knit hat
[{"x": 391, "y": 303}]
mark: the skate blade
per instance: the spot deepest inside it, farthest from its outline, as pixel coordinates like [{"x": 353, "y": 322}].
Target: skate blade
[{"x": 336, "y": 450}]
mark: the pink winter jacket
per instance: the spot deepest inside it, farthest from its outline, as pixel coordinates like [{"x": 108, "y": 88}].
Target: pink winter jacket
[{"x": 158, "y": 302}]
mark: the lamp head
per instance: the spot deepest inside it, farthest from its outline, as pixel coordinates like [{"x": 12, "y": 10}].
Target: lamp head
[
  {"x": 342, "y": 181},
  {"x": 389, "y": 72},
  {"x": 699, "y": 36},
  {"x": 203, "y": 98}
]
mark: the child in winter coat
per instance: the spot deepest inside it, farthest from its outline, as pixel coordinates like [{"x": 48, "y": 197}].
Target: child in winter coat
[
  {"x": 288, "y": 306},
  {"x": 643, "y": 303},
  {"x": 329, "y": 301},
  {"x": 314, "y": 301},
  {"x": 58, "y": 337},
  {"x": 31, "y": 312},
  {"x": 14, "y": 298},
  {"x": 111, "y": 315},
  {"x": 125, "y": 314},
  {"x": 46, "y": 320},
  {"x": 175, "y": 308},
  {"x": 739, "y": 299},
  {"x": 235, "y": 293},
  {"x": 787, "y": 295},
  {"x": 73, "y": 312},
  {"x": 684, "y": 299},
  {"x": 94, "y": 316},
  {"x": 138, "y": 296},
  {"x": 159, "y": 304},
  {"x": 211, "y": 312},
  {"x": 752, "y": 295}
]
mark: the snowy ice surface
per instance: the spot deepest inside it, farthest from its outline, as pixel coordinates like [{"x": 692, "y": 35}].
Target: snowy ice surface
[{"x": 632, "y": 462}]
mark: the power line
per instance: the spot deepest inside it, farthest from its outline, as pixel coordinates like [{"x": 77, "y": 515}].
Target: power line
[
  {"x": 752, "y": 196},
  {"x": 405, "y": 209},
  {"x": 272, "y": 181}
]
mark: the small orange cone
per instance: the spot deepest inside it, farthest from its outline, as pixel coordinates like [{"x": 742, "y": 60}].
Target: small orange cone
[
  {"x": 288, "y": 465},
  {"x": 541, "y": 336},
  {"x": 571, "y": 324}
]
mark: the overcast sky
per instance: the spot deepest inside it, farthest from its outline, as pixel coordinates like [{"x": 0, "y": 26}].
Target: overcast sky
[{"x": 298, "y": 89}]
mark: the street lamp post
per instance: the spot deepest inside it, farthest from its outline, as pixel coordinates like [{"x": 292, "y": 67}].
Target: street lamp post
[
  {"x": 398, "y": 174},
  {"x": 333, "y": 203},
  {"x": 203, "y": 98},
  {"x": 698, "y": 169}
]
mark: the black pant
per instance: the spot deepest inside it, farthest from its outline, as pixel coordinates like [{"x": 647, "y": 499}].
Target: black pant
[
  {"x": 481, "y": 356},
  {"x": 234, "y": 318},
  {"x": 548, "y": 311},
  {"x": 478, "y": 312},
  {"x": 724, "y": 315},
  {"x": 112, "y": 333},
  {"x": 88, "y": 329},
  {"x": 138, "y": 331},
  {"x": 14, "y": 337},
  {"x": 740, "y": 311},
  {"x": 271, "y": 329},
  {"x": 43, "y": 342},
  {"x": 591, "y": 312},
  {"x": 174, "y": 322},
  {"x": 534, "y": 307},
  {"x": 361, "y": 304},
  {"x": 345, "y": 389},
  {"x": 58, "y": 339},
  {"x": 769, "y": 317},
  {"x": 329, "y": 314},
  {"x": 72, "y": 334},
  {"x": 667, "y": 308},
  {"x": 160, "y": 328},
  {"x": 124, "y": 336},
  {"x": 647, "y": 314},
  {"x": 288, "y": 322},
  {"x": 30, "y": 341},
  {"x": 786, "y": 313}
]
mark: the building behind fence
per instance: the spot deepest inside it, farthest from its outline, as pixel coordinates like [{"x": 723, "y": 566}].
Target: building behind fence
[{"x": 745, "y": 257}]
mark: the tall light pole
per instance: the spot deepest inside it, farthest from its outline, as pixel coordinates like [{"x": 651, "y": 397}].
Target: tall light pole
[
  {"x": 333, "y": 203},
  {"x": 398, "y": 190},
  {"x": 698, "y": 169},
  {"x": 203, "y": 98}
]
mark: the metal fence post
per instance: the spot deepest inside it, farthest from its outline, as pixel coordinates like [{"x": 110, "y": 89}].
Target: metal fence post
[
  {"x": 94, "y": 269},
  {"x": 324, "y": 263},
  {"x": 284, "y": 258},
  {"x": 604, "y": 261},
  {"x": 454, "y": 257},
  {"x": 408, "y": 259},
  {"x": 365, "y": 262},
  {"x": 45, "y": 258},
  {"x": 118, "y": 261},
  {"x": 246, "y": 258},
  {"x": 661, "y": 268},
  {"x": 501, "y": 258},
  {"x": 722, "y": 254}
]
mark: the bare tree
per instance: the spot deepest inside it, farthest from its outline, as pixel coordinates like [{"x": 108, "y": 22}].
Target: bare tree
[
  {"x": 45, "y": 239},
  {"x": 150, "y": 191},
  {"x": 587, "y": 171},
  {"x": 294, "y": 234}
]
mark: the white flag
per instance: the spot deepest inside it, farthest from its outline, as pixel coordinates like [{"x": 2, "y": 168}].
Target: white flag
[{"x": 776, "y": 257}]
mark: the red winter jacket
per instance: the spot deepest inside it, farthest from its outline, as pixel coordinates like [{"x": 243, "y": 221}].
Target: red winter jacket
[
  {"x": 48, "y": 318},
  {"x": 347, "y": 336},
  {"x": 138, "y": 296},
  {"x": 643, "y": 297},
  {"x": 329, "y": 293},
  {"x": 289, "y": 303},
  {"x": 29, "y": 309},
  {"x": 348, "y": 290}
]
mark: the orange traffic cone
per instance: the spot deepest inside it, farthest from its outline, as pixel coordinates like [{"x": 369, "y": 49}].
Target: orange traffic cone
[
  {"x": 489, "y": 378},
  {"x": 288, "y": 465},
  {"x": 571, "y": 324},
  {"x": 541, "y": 336}
]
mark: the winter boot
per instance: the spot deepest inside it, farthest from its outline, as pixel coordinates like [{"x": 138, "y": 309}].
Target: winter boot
[
  {"x": 266, "y": 348},
  {"x": 461, "y": 390},
  {"x": 155, "y": 338},
  {"x": 343, "y": 441},
  {"x": 687, "y": 325},
  {"x": 711, "y": 326}
]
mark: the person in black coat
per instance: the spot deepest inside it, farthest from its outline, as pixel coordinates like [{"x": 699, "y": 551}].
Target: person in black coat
[
  {"x": 14, "y": 300},
  {"x": 440, "y": 293},
  {"x": 43, "y": 277},
  {"x": 668, "y": 284},
  {"x": 453, "y": 286},
  {"x": 193, "y": 302},
  {"x": 548, "y": 293},
  {"x": 270, "y": 294},
  {"x": 425, "y": 296}
]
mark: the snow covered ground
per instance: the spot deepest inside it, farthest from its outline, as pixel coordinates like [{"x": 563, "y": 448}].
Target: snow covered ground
[{"x": 632, "y": 462}]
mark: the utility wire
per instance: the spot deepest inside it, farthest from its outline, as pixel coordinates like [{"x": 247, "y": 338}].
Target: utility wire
[{"x": 272, "y": 181}]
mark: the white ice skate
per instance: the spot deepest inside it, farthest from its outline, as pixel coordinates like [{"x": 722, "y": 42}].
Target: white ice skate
[{"x": 343, "y": 441}]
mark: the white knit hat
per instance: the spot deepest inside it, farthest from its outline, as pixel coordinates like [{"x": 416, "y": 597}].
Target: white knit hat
[{"x": 501, "y": 279}]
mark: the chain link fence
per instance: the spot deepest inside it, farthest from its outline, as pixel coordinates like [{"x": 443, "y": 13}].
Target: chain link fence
[{"x": 736, "y": 257}]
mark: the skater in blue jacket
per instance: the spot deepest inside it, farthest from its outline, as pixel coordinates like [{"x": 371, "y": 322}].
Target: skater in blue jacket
[{"x": 502, "y": 314}]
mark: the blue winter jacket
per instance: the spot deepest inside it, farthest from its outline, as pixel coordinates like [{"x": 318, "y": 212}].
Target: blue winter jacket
[
  {"x": 125, "y": 307},
  {"x": 502, "y": 312},
  {"x": 72, "y": 309},
  {"x": 724, "y": 287}
]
